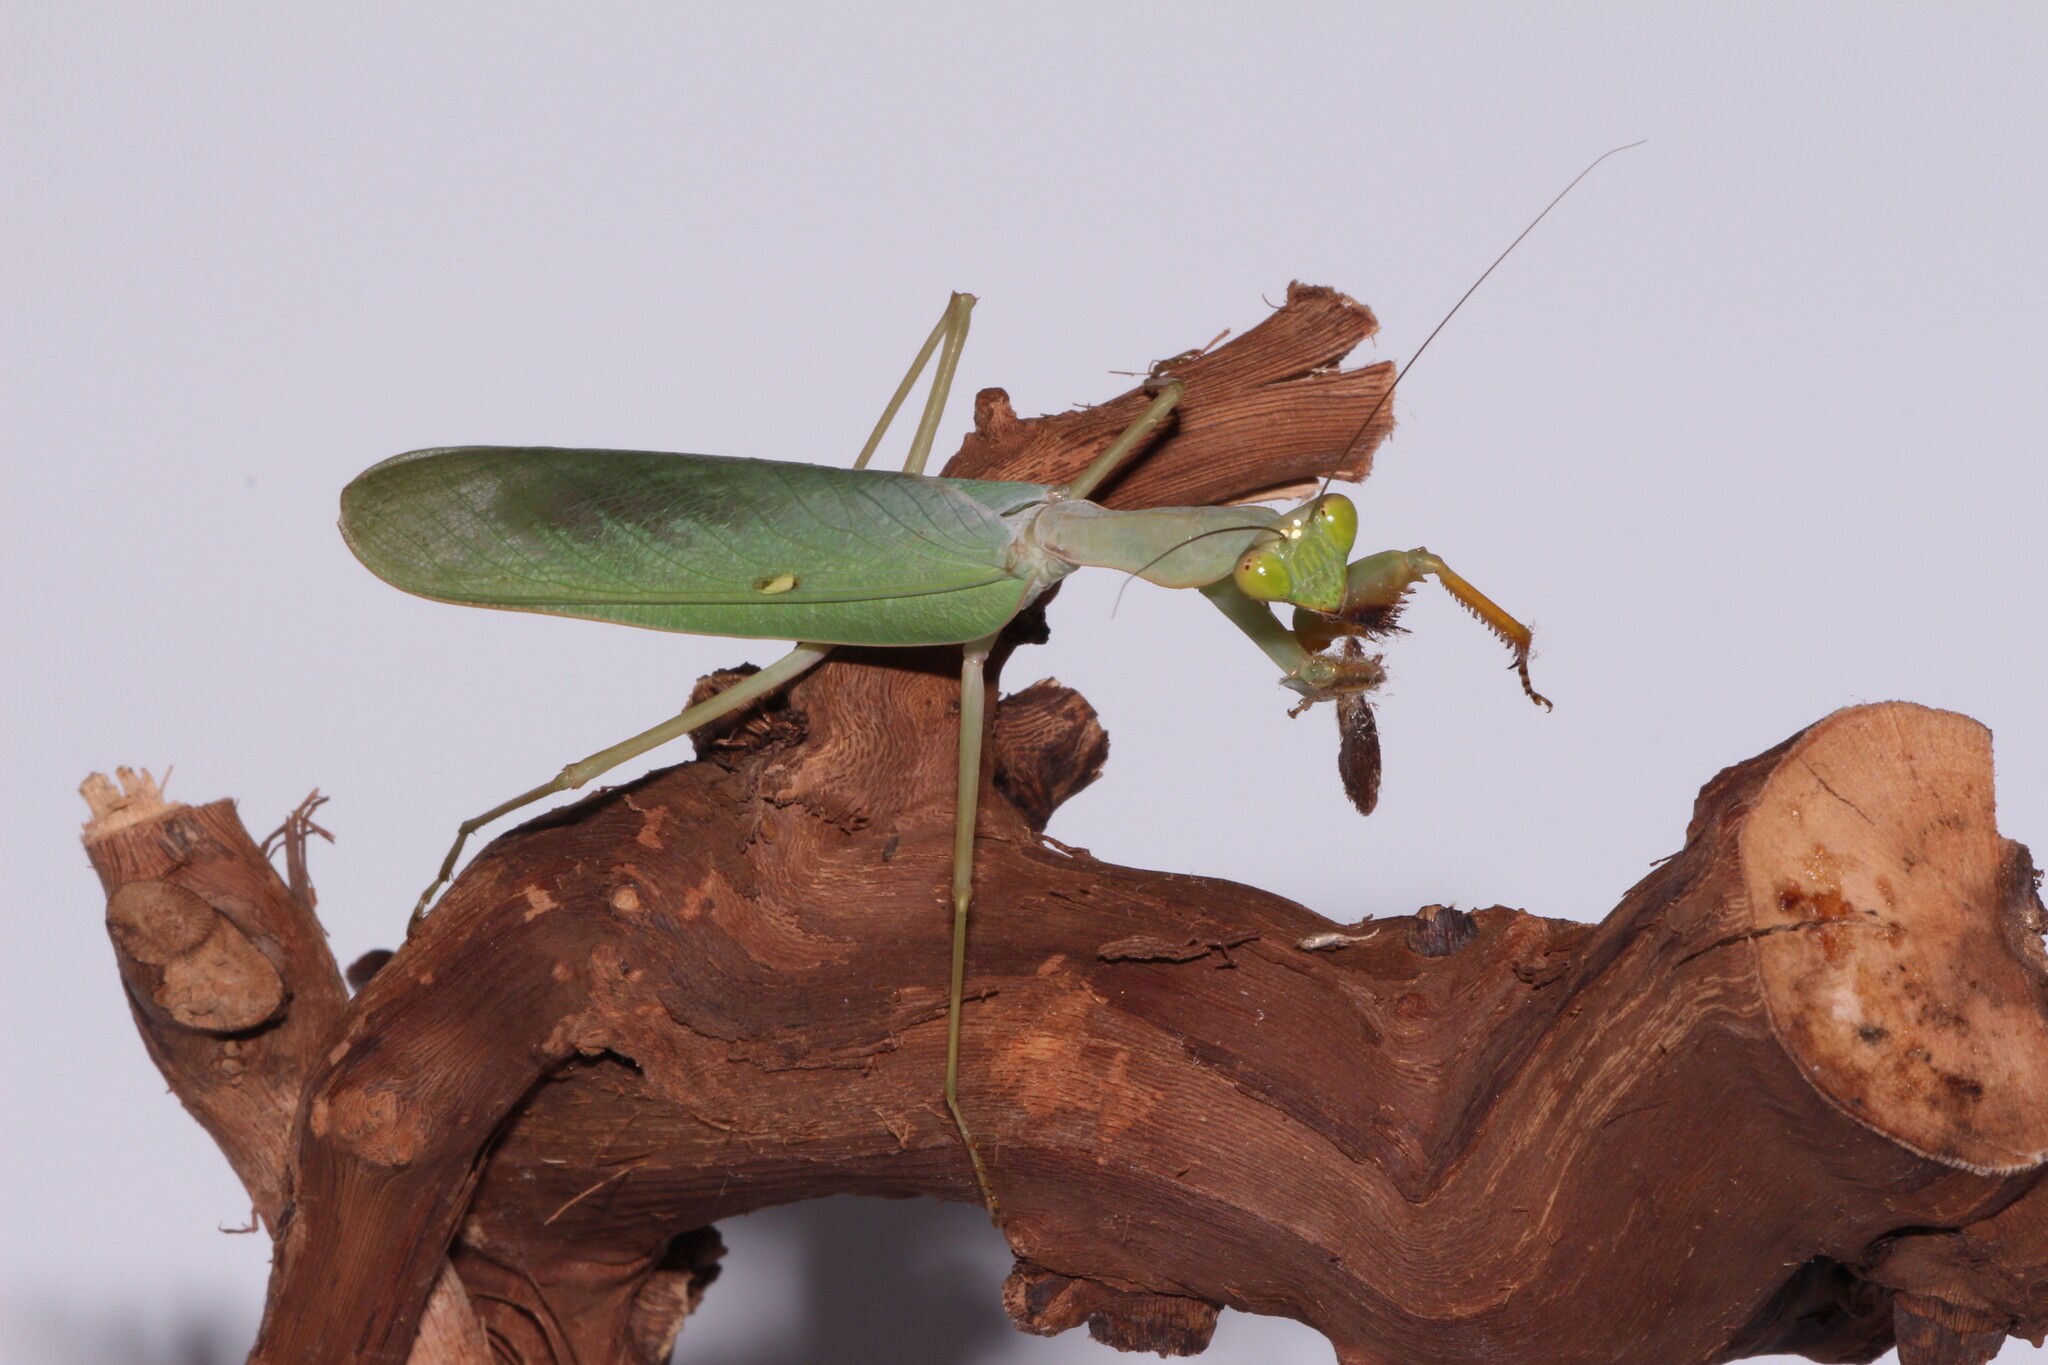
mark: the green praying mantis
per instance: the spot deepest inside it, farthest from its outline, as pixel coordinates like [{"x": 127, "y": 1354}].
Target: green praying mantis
[{"x": 768, "y": 550}]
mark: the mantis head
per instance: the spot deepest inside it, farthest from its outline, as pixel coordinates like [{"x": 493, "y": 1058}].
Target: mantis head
[{"x": 1303, "y": 564}]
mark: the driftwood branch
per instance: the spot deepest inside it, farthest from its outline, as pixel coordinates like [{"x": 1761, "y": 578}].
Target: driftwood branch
[{"x": 1789, "y": 1095}]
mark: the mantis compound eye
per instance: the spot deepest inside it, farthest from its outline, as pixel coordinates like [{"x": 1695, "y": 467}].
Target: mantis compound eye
[
  {"x": 1336, "y": 519},
  {"x": 1264, "y": 576}
]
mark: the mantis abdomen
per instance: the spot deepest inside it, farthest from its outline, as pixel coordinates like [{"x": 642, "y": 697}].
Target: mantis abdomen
[{"x": 702, "y": 544}]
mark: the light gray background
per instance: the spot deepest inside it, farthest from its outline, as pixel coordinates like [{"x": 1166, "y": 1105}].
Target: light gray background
[{"x": 1749, "y": 429}]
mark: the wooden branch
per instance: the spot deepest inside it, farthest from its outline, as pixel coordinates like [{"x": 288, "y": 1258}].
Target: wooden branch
[
  {"x": 1271, "y": 413},
  {"x": 1787, "y": 1096},
  {"x": 234, "y": 992}
]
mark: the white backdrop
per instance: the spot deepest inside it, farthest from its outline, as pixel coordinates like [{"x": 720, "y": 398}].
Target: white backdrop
[{"x": 1749, "y": 429}]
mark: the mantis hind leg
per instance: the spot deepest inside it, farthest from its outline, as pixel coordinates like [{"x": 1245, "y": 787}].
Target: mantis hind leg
[
  {"x": 973, "y": 707},
  {"x": 803, "y": 657},
  {"x": 947, "y": 338}
]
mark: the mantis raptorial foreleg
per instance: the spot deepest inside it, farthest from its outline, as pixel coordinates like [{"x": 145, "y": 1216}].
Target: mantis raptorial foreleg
[
  {"x": 1316, "y": 676},
  {"x": 1375, "y": 585},
  {"x": 1373, "y": 590}
]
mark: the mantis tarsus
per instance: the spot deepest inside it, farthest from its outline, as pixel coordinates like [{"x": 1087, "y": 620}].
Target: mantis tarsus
[{"x": 759, "y": 549}]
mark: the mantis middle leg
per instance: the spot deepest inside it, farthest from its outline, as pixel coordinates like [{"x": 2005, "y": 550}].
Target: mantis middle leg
[{"x": 973, "y": 707}]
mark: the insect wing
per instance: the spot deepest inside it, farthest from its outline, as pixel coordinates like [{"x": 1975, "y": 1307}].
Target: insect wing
[{"x": 697, "y": 543}]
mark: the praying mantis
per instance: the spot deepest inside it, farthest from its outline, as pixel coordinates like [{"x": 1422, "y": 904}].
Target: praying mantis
[{"x": 761, "y": 549}]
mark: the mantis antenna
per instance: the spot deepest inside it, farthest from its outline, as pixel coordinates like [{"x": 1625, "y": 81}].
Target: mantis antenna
[
  {"x": 1088, "y": 481},
  {"x": 1402, "y": 373}
]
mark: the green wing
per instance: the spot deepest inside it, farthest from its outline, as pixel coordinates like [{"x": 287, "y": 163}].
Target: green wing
[{"x": 695, "y": 543}]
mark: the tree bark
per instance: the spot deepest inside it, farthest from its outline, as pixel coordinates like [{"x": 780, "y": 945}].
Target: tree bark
[{"x": 1789, "y": 1095}]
